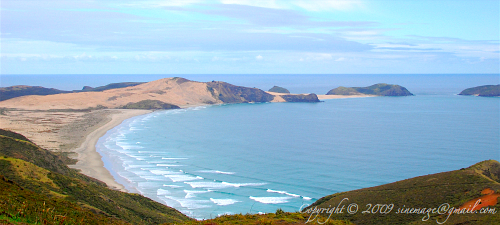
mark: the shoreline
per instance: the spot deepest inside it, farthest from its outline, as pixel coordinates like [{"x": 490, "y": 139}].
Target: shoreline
[{"x": 90, "y": 161}]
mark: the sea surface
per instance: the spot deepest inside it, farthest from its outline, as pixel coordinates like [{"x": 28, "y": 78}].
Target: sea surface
[{"x": 255, "y": 158}]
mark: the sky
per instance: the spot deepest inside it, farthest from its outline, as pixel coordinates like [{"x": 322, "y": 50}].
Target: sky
[{"x": 249, "y": 36}]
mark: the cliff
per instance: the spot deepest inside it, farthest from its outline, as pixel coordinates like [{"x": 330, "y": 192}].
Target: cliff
[
  {"x": 228, "y": 93},
  {"x": 483, "y": 91},
  {"x": 376, "y": 89}
]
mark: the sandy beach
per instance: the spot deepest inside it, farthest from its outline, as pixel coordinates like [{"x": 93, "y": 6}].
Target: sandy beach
[{"x": 89, "y": 161}]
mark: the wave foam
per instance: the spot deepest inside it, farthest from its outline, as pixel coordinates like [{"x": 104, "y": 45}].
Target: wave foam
[
  {"x": 224, "y": 201},
  {"x": 283, "y": 193},
  {"x": 270, "y": 200},
  {"x": 216, "y": 171},
  {"x": 182, "y": 178}
]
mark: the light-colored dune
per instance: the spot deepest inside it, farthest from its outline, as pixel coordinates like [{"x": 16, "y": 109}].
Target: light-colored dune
[{"x": 177, "y": 91}]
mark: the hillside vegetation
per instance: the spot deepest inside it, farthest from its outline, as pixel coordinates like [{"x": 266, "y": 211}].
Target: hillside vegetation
[
  {"x": 431, "y": 191},
  {"x": 484, "y": 91},
  {"x": 65, "y": 194},
  {"x": 376, "y": 89}
]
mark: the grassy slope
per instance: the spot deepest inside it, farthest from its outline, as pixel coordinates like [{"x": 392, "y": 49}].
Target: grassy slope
[
  {"x": 454, "y": 188},
  {"x": 34, "y": 169}
]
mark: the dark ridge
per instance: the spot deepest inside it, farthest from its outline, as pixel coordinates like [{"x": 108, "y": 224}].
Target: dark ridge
[
  {"x": 150, "y": 104},
  {"x": 110, "y": 86},
  {"x": 22, "y": 90},
  {"x": 301, "y": 98}
]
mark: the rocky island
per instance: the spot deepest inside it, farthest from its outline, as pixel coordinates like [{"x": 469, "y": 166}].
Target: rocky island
[
  {"x": 483, "y": 91},
  {"x": 376, "y": 89}
]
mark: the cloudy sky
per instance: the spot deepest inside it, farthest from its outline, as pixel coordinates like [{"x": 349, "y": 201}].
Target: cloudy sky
[{"x": 249, "y": 36}]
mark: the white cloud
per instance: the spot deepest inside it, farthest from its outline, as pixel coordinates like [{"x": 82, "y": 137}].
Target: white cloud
[
  {"x": 163, "y": 3},
  {"x": 325, "y": 5},
  {"x": 310, "y": 5},
  {"x": 258, "y": 3},
  {"x": 340, "y": 59},
  {"x": 259, "y": 57}
]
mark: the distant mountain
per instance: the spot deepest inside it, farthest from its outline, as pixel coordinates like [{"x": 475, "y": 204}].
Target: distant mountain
[
  {"x": 278, "y": 89},
  {"x": 111, "y": 86},
  {"x": 22, "y": 90},
  {"x": 484, "y": 91},
  {"x": 36, "y": 186},
  {"x": 391, "y": 203},
  {"x": 376, "y": 89}
]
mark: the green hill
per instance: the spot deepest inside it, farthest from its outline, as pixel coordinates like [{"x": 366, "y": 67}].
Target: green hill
[
  {"x": 27, "y": 169},
  {"x": 430, "y": 191},
  {"x": 279, "y": 90},
  {"x": 376, "y": 89},
  {"x": 484, "y": 91}
]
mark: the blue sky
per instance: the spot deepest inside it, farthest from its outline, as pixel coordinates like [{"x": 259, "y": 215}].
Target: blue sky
[{"x": 249, "y": 36}]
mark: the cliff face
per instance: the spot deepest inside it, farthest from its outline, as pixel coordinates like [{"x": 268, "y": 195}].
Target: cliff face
[
  {"x": 376, "y": 89},
  {"x": 483, "y": 91},
  {"x": 228, "y": 93}
]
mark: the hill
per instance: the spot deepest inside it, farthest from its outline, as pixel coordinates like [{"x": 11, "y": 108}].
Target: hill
[
  {"x": 409, "y": 197},
  {"x": 37, "y": 186},
  {"x": 483, "y": 91},
  {"x": 376, "y": 89},
  {"x": 279, "y": 90}
]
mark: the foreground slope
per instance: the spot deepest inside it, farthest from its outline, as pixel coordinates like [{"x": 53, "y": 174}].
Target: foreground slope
[
  {"x": 432, "y": 191},
  {"x": 26, "y": 168}
]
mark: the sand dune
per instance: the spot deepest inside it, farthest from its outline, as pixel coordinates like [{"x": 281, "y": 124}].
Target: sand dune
[{"x": 177, "y": 91}]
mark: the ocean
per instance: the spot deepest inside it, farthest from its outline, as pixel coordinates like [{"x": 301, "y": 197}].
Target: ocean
[{"x": 256, "y": 158}]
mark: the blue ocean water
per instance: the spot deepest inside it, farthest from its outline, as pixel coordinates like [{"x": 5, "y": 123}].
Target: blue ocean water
[{"x": 251, "y": 158}]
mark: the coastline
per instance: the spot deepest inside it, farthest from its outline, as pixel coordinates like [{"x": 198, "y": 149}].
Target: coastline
[{"x": 89, "y": 161}]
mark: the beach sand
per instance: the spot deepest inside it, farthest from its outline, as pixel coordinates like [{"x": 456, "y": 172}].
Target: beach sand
[{"x": 89, "y": 161}]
